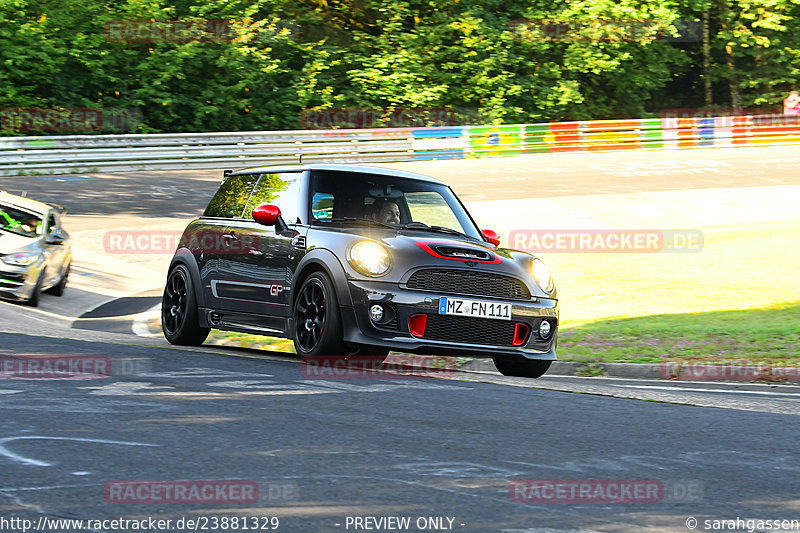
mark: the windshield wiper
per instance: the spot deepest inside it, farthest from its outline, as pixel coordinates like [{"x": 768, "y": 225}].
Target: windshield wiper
[
  {"x": 359, "y": 220},
  {"x": 416, "y": 225},
  {"x": 437, "y": 229}
]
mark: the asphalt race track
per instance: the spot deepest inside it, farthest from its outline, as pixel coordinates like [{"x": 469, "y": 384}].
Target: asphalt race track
[{"x": 326, "y": 454}]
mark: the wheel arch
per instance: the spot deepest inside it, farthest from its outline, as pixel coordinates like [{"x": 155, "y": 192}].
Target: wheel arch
[
  {"x": 184, "y": 257},
  {"x": 322, "y": 260}
]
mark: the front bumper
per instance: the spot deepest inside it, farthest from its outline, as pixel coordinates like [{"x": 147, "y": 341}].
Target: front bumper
[
  {"x": 18, "y": 282},
  {"x": 474, "y": 337}
]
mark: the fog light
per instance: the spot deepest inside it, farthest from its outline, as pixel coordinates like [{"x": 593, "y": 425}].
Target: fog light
[
  {"x": 376, "y": 313},
  {"x": 544, "y": 329}
]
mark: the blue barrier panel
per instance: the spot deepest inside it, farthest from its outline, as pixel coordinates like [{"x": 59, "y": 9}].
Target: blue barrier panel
[
  {"x": 438, "y": 143},
  {"x": 439, "y": 154},
  {"x": 437, "y": 132},
  {"x": 705, "y": 131}
]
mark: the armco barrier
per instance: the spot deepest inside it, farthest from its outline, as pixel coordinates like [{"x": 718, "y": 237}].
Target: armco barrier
[{"x": 109, "y": 153}]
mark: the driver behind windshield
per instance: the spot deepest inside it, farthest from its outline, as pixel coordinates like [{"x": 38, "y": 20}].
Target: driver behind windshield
[
  {"x": 385, "y": 211},
  {"x": 30, "y": 225}
]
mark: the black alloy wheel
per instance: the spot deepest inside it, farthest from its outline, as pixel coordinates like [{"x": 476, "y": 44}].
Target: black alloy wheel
[
  {"x": 310, "y": 314},
  {"x": 317, "y": 322},
  {"x": 179, "y": 310}
]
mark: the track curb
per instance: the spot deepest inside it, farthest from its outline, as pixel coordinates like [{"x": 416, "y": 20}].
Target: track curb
[{"x": 669, "y": 371}]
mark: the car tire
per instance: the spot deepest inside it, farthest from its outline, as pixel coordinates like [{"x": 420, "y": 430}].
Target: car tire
[
  {"x": 58, "y": 288},
  {"x": 179, "y": 310},
  {"x": 521, "y": 367},
  {"x": 317, "y": 319},
  {"x": 33, "y": 301}
]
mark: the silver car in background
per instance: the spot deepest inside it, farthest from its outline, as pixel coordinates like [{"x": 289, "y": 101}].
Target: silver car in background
[{"x": 35, "y": 254}]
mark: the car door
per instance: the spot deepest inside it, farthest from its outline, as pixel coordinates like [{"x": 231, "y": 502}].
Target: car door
[
  {"x": 209, "y": 237},
  {"x": 262, "y": 259}
]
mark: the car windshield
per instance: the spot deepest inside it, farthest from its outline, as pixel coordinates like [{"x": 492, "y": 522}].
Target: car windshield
[
  {"x": 388, "y": 200},
  {"x": 15, "y": 220}
]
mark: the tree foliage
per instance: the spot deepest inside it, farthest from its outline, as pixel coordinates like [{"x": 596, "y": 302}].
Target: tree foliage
[{"x": 476, "y": 57}]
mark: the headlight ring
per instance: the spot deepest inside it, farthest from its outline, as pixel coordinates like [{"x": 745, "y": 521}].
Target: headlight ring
[
  {"x": 370, "y": 258},
  {"x": 20, "y": 259},
  {"x": 543, "y": 276}
]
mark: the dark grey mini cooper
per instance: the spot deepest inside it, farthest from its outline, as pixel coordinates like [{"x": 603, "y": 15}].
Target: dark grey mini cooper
[{"x": 358, "y": 260}]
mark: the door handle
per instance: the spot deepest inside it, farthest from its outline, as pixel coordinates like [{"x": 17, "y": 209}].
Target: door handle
[{"x": 228, "y": 237}]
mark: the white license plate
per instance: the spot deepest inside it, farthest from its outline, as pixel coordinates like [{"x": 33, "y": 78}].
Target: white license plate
[{"x": 476, "y": 308}]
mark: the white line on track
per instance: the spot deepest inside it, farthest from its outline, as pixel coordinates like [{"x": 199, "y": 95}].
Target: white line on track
[
  {"x": 139, "y": 325},
  {"x": 34, "y": 462},
  {"x": 724, "y": 391}
]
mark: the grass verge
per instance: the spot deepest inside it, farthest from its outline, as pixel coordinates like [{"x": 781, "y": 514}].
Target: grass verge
[{"x": 770, "y": 335}]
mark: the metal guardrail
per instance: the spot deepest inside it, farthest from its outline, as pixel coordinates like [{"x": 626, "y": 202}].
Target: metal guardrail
[{"x": 116, "y": 153}]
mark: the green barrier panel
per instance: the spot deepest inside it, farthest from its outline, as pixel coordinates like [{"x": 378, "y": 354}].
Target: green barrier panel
[
  {"x": 651, "y": 134},
  {"x": 495, "y": 140},
  {"x": 536, "y": 138}
]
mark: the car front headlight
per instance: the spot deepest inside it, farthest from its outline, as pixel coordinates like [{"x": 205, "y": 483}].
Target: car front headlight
[
  {"x": 20, "y": 259},
  {"x": 370, "y": 258},
  {"x": 542, "y": 276}
]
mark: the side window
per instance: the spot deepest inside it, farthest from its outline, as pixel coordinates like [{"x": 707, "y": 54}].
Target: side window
[
  {"x": 51, "y": 225},
  {"x": 282, "y": 190},
  {"x": 232, "y": 196}
]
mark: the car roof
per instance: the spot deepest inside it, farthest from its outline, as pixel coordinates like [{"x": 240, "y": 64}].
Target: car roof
[
  {"x": 27, "y": 204},
  {"x": 359, "y": 169}
]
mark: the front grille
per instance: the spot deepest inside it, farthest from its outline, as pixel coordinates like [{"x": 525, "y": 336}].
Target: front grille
[
  {"x": 469, "y": 283},
  {"x": 11, "y": 281},
  {"x": 469, "y": 330}
]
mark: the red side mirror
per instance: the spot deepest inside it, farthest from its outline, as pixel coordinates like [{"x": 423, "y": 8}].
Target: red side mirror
[
  {"x": 266, "y": 214},
  {"x": 491, "y": 236}
]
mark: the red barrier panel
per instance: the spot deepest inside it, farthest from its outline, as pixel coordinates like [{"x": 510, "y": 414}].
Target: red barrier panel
[
  {"x": 687, "y": 133},
  {"x": 566, "y": 136},
  {"x": 740, "y": 130}
]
